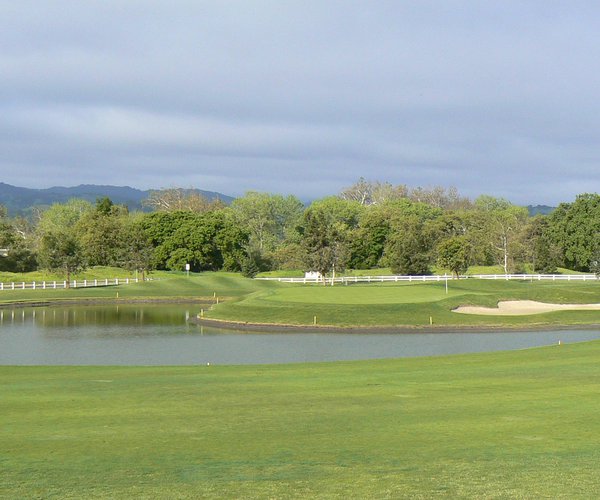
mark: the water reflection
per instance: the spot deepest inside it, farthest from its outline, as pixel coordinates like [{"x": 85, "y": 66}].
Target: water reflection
[
  {"x": 159, "y": 334},
  {"x": 100, "y": 315}
]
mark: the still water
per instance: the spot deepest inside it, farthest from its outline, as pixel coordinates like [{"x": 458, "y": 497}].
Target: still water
[{"x": 154, "y": 334}]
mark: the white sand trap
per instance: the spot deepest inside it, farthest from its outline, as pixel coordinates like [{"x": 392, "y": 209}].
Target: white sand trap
[{"x": 524, "y": 307}]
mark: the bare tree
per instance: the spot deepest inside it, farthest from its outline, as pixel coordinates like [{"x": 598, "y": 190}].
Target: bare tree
[
  {"x": 171, "y": 199},
  {"x": 373, "y": 192}
]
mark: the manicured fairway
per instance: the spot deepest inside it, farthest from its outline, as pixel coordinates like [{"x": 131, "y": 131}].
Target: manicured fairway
[
  {"x": 376, "y": 293},
  {"x": 408, "y": 304},
  {"x": 505, "y": 425}
]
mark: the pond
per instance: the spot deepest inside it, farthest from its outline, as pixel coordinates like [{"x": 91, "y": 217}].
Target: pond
[{"x": 159, "y": 334}]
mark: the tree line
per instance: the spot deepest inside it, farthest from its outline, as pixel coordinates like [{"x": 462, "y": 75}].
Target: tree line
[{"x": 368, "y": 225}]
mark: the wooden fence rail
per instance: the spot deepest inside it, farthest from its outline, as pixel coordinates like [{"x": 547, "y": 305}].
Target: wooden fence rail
[
  {"x": 396, "y": 278},
  {"x": 53, "y": 285}
]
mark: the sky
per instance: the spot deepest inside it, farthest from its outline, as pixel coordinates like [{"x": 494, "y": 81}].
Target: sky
[{"x": 303, "y": 97}]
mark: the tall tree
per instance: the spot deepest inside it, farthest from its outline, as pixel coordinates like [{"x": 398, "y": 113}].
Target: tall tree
[
  {"x": 138, "y": 251},
  {"x": 102, "y": 233},
  {"x": 575, "y": 229},
  {"x": 326, "y": 232},
  {"x": 501, "y": 224},
  {"x": 267, "y": 218},
  {"x": 410, "y": 244},
  {"x": 59, "y": 245},
  {"x": 61, "y": 252},
  {"x": 455, "y": 254},
  {"x": 16, "y": 254}
]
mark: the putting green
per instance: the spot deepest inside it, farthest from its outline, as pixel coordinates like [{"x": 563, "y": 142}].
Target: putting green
[{"x": 375, "y": 293}]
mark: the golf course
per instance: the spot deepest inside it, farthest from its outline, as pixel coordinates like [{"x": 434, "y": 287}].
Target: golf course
[{"x": 520, "y": 424}]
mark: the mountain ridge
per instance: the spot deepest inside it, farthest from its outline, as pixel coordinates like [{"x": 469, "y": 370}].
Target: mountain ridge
[{"x": 19, "y": 200}]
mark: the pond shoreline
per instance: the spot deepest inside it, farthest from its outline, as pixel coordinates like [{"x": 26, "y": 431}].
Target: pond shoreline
[
  {"x": 275, "y": 327},
  {"x": 107, "y": 301},
  {"x": 278, "y": 327}
]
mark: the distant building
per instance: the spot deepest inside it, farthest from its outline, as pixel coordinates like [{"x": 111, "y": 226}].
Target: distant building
[
  {"x": 313, "y": 275},
  {"x": 3, "y": 252}
]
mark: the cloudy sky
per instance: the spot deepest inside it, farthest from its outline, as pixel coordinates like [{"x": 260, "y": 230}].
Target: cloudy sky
[{"x": 303, "y": 97}]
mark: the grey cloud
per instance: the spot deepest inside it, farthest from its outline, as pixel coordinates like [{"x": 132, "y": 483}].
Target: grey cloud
[{"x": 303, "y": 97}]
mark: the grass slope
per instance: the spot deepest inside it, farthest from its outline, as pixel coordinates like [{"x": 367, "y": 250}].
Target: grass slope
[
  {"x": 361, "y": 304},
  {"x": 504, "y": 425},
  {"x": 163, "y": 285},
  {"x": 409, "y": 304}
]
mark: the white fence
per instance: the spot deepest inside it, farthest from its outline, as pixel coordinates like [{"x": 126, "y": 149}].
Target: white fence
[
  {"x": 396, "y": 278},
  {"x": 53, "y": 285}
]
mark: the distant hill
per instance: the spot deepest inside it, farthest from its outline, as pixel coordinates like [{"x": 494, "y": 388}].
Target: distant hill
[
  {"x": 19, "y": 200},
  {"x": 540, "y": 209}
]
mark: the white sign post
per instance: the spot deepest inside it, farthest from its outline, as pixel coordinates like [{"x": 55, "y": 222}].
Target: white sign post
[{"x": 187, "y": 270}]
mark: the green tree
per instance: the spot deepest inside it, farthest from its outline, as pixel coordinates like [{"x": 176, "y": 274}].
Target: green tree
[
  {"x": 501, "y": 225},
  {"x": 455, "y": 254},
  {"x": 410, "y": 245},
  {"x": 575, "y": 229},
  {"x": 59, "y": 245},
  {"x": 268, "y": 219},
  {"x": 61, "y": 252},
  {"x": 408, "y": 250},
  {"x": 370, "y": 237},
  {"x": 543, "y": 254},
  {"x": 159, "y": 227},
  {"x": 102, "y": 234},
  {"x": 17, "y": 255},
  {"x": 208, "y": 241},
  {"x": 63, "y": 217},
  {"x": 325, "y": 243},
  {"x": 326, "y": 230},
  {"x": 138, "y": 251}
]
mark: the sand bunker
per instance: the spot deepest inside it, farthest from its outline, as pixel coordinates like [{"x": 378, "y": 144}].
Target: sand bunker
[{"x": 524, "y": 307}]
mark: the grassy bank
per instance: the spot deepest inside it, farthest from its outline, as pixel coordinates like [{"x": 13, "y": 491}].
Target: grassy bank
[
  {"x": 505, "y": 425},
  {"x": 409, "y": 304},
  {"x": 162, "y": 285},
  {"x": 355, "y": 305}
]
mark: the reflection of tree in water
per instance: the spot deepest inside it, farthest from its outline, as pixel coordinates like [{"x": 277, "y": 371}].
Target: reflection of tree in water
[{"x": 130, "y": 314}]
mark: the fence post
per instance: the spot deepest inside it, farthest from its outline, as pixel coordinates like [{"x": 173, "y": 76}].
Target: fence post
[
  {"x": 23, "y": 285},
  {"x": 84, "y": 283}
]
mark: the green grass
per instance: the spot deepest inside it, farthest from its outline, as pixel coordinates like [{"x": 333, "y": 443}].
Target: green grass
[
  {"x": 505, "y": 425},
  {"x": 100, "y": 272},
  {"x": 163, "y": 285},
  {"x": 381, "y": 293},
  {"x": 360, "y": 304},
  {"x": 409, "y": 304}
]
